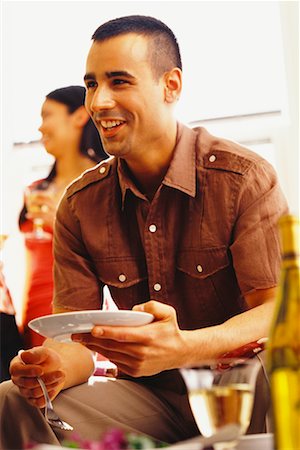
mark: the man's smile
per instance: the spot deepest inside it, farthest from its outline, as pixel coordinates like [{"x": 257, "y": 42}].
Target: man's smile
[{"x": 108, "y": 126}]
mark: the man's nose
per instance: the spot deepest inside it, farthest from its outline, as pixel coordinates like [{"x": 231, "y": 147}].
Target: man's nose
[{"x": 102, "y": 99}]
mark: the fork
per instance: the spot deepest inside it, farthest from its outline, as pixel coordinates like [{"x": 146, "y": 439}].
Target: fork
[{"x": 50, "y": 415}]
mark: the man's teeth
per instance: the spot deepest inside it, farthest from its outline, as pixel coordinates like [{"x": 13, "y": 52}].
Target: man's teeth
[{"x": 110, "y": 123}]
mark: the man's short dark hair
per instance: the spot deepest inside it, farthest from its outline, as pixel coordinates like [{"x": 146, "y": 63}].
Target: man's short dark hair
[{"x": 164, "y": 53}]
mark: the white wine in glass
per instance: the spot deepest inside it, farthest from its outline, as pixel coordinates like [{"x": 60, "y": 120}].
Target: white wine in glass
[
  {"x": 221, "y": 394},
  {"x": 3, "y": 238},
  {"x": 38, "y": 234}
]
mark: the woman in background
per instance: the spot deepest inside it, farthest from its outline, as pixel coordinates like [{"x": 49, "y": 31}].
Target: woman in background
[{"x": 70, "y": 136}]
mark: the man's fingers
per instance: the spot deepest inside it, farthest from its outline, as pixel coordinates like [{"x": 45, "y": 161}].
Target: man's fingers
[
  {"x": 159, "y": 310},
  {"x": 29, "y": 380},
  {"x": 28, "y": 383},
  {"x": 44, "y": 357},
  {"x": 138, "y": 335},
  {"x": 109, "y": 348},
  {"x": 31, "y": 393},
  {"x": 37, "y": 392},
  {"x": 36, "y": 355},
  {"x": 120, "y": 334},
  {"x": 54, "y": 377},
  {"x": 24, "y": 370}
]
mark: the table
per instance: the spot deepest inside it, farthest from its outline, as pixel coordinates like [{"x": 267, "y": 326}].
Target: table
[{"x": 262, "y": 441}]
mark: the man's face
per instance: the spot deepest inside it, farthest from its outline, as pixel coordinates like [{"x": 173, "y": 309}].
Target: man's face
[{"x": 123, "y": 98}]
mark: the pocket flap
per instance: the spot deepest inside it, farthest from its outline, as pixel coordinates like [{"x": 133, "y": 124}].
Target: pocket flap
[
  {"x": 204, "y": 262},
  {"x": 121, "y": 272}
]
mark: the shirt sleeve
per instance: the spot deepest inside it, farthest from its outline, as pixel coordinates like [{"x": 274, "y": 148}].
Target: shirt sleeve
[
  {"x": 255, "y": 245},
  {"x": 76, "y": 286}
]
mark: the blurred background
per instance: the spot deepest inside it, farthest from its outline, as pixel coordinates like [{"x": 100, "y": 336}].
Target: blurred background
[{"x": 241, "y": 81}]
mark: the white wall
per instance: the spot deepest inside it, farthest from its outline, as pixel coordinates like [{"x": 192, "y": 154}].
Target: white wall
[{"x": 231, "y": 51}]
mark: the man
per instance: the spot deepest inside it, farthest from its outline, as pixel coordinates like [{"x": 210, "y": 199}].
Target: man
[{"x": 178, "y": 223}]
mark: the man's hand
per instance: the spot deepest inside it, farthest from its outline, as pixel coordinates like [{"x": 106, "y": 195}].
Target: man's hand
[
  {"x": 144, "y": 350},
  {"x": 38, "y": 362}
]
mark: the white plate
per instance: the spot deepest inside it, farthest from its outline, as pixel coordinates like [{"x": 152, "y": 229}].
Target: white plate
[
  {"x": 61, "y": 326},
  {"x": 263, "y": 441}
]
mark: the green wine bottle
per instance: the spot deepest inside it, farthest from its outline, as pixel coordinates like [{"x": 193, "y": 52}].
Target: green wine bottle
[{"x": 283, "y": 350}]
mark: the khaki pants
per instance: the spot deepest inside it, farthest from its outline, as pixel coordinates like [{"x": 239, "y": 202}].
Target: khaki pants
[{"x": 155, "y": 408}]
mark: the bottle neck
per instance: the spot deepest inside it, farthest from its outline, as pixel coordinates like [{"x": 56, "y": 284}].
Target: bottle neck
[
  {"x": 289, "y": 227},
  {"x": 290, "y": 259}
]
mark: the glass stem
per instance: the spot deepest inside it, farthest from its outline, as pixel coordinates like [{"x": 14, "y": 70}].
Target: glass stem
[{"x": 38, "y": 227}]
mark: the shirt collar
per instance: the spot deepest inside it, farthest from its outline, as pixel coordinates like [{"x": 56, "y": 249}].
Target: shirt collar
[
  {"x": 181, "y": 174},
  {"x": 126, "y": 182}
]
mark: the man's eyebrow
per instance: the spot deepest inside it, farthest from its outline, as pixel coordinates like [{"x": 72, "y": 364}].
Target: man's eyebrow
[
  {"x": 118, "y": 73},
  {"x": 89, "y": 76}
]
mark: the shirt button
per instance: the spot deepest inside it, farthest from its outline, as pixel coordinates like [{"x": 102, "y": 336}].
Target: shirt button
[
  {"x": 122, "y": 277},
  {"x": 199, "y": 268},
  {"x": 212, "y": 158},
  {"x": 157, "y": 287},
  {"x": 102, "y": 169},
  {"x": 152, "y": 228}
]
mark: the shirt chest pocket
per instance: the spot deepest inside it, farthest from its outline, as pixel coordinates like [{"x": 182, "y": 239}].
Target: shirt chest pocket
[
  {"x": 202, "y": 263},
  {"x": 203, "y": 279},
  {"x": 126, "y": 278},
  {"x": 121, "y": 272}
]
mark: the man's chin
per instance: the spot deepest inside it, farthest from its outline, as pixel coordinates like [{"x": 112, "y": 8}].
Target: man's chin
[{"x": 115, "y": 150}]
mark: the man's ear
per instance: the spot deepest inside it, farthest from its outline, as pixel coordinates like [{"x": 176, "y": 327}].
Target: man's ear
[
  {"x": 173, "y": 85},
  {"x": 81, "y": 116}
]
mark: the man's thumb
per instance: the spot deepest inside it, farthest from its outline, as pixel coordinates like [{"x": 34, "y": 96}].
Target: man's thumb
[
  {"x": 35, "y": 355},
  {"x": 159, "y": 310}
]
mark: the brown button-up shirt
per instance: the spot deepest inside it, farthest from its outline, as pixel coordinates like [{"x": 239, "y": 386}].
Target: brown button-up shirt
[{"x": 208, "y": 237}]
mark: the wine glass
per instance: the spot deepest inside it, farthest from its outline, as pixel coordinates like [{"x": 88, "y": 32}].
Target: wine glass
[
  {"x": 3, "y": 238},
  {"x": 38, "y": 234},
  {"x": 221, "y": 394}
]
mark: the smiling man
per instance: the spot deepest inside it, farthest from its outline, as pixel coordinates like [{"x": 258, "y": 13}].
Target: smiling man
[
  {"x": 177, "y": 223},
  {"x": 130, "y": 97}
]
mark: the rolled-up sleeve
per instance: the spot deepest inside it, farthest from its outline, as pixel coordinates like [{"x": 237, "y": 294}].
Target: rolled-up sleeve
[
  {"x": 255, "y": 246},
  {"x": 76, "y": 285}
]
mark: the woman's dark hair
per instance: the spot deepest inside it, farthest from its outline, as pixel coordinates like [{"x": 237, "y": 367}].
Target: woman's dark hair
[
  {"x": 163, "y": 48},
  {"x": 73, "y": 97}
]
